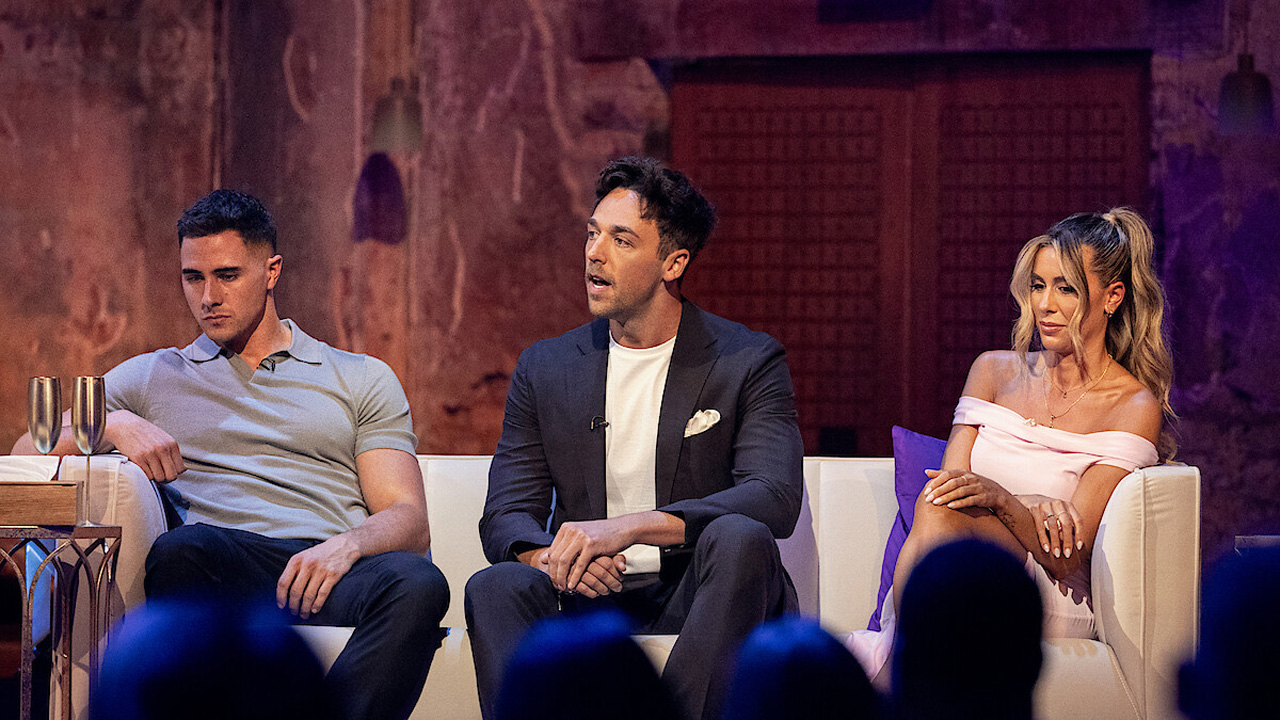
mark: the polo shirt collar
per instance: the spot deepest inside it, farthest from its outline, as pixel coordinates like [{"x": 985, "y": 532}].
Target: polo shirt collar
[{"x": 302, "y": 347}]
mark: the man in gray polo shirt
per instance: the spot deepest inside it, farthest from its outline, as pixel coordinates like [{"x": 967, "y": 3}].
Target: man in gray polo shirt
[{"x": 290, "y": 463}]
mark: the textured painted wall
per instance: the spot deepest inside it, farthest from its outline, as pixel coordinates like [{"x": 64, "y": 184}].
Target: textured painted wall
[
  {"x": 725, "y": 28},
  {"x": 105, "y": 128},
  {"x": 291, "y": 136},
  {"x": 1219, "y": 219},
  {"x": 118, "y": 119},
  {"x": 515, "y": 130}
]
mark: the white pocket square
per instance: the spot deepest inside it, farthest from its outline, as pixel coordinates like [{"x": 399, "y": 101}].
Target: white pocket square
[{"x": 701, "y": 422}]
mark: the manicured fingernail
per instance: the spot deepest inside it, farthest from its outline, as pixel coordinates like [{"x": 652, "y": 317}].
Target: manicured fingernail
[
  {"x": 1079, "y": 544},
  {"x": 1068, "y": 551},
  {"x": 929, "y": 497},
  {"x": 1057, "y": 552},
  {"x": 951, "y": 504},
  {"x": 1046, "y": 547}
]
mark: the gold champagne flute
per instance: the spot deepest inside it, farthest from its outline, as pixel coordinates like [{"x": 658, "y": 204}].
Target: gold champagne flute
[
  {"x": 88, "y": 422},
  {"x": 44, "y": 412}
]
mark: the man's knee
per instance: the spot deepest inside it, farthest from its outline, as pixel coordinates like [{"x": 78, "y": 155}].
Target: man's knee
[
  {"x": 738, "y": 534},
  {"x": 421, "y": 590},
  {"x": 740, "y": 544},
  {"x": 503, "y": 583}
]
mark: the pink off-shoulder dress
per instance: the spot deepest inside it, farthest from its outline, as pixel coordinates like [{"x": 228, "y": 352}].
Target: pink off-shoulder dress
[{"x": 1026, "y": 458}]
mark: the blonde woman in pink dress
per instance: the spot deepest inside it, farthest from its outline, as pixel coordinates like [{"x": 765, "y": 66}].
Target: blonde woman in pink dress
[{"x": 1045, "y": 432}]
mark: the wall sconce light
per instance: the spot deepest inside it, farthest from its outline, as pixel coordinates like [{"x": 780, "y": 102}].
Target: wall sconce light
[
  {"x": 379, "y": 205},
  {"x": 397, "y": 121},
  {"x": 1244, "y": 103}
]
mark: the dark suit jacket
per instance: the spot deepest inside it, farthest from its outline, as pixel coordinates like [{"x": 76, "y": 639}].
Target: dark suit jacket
[{"x": 750, "y": 463}]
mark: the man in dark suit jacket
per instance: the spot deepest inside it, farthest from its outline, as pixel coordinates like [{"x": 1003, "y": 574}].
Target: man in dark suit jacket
[{"x": 648, "y": 460}]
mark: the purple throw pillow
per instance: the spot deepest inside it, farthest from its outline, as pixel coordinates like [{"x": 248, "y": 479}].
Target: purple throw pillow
[{"x": 913, "y": 453}]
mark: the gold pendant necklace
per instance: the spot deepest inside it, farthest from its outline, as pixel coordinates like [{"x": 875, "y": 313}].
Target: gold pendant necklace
[{"x": 1087, "y": 388}]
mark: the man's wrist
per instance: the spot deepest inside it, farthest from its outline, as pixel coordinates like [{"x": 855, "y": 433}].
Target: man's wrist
[
  {"x": 531, "y": 556},
  {"x": 349, "y": 545}
]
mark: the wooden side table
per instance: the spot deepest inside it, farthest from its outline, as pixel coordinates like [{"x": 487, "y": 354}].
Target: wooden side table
[{"x": 91, "y": 548}]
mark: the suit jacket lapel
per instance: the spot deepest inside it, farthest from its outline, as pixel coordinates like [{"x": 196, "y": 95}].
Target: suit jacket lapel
[
  {"x": 585, "y": 380},
  {"x": 692, "y": 358}
]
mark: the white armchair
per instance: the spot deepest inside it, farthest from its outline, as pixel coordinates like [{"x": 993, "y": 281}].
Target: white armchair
[{"x": 1146, "y": 584}]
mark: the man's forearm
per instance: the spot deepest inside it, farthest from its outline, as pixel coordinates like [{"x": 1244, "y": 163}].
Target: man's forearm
[
  {"x": 401, "y": 526},
  {"x": 654, "y": 527},
  {"x": 596, "y": 538}
]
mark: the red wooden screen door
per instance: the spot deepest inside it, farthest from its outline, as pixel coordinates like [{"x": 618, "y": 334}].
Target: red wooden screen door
[{"x": 871, "y": 210}]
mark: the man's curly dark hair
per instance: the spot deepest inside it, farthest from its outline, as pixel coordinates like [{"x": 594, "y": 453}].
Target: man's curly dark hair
[{"x": 683, "y": 216}]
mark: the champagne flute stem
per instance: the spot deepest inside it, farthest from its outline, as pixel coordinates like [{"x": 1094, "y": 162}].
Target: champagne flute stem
[{"x": 86, "y": 503}]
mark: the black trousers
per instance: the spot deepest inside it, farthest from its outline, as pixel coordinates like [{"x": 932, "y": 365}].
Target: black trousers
[
  {"x": 395, "y": 600},
  {"x": 734, "y": 581}
]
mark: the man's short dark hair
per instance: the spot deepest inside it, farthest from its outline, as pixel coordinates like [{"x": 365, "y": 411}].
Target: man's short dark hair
[
  {"x": 223, "y": 210},
  {"x": 684, "y": 217}
]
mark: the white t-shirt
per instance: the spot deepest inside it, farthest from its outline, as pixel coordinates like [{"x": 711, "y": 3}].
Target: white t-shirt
[{"x": 634, "y": 383}]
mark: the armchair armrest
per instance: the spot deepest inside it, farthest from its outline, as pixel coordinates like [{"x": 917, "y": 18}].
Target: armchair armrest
[{"x": 1146, "y": 580}]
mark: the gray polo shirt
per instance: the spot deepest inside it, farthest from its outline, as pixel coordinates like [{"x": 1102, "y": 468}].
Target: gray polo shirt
[{"x": 271, "y": 449}]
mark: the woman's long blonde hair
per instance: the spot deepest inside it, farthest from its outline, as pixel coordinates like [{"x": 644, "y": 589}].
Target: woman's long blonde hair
[{"x": 1123, "y": 248}]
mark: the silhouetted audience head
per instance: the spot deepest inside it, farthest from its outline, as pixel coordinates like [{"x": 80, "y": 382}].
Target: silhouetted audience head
[
  {"x": 968, "y": 641},
  {"x": 1235, "y": 669},
  {"x": 582, "y": 666},
  {"x": 188, "y": 661},
  {"x": 792, "y": 668}
]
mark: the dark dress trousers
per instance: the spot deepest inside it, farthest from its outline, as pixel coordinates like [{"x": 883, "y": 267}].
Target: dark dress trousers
[{"x": 737, "y": 486}]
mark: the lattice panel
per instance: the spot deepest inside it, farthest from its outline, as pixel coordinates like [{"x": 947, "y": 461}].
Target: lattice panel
[
  {"x": 1006, "y": 171},
  {"x": 872, "y": 208},
  {"x": 797, "y": 183}
]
